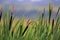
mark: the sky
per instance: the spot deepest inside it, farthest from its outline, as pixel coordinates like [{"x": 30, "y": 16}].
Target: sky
[
  {"x": 29, "y": 5},
  {"x": 34, "y": 2}
]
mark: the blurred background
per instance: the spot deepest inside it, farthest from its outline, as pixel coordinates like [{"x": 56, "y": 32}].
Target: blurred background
[{"x": 30, "y": 8}]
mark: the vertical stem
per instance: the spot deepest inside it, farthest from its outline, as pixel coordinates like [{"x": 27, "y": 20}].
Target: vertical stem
[
  {"x": 43, "y": 16},
  {"x": 52, "y": 25},
  {"x": 50, "y": 11},
  {"x": 0, "y": 14}
]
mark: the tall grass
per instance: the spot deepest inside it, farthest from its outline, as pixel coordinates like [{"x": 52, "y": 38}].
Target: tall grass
[{"x": 30, "y": 29}]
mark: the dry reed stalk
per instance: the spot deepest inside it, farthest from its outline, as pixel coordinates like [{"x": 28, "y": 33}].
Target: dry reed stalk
[
  {"x": 50, "y": 11},
  {"x": 0, "y": 13},
  {"x": 28, "y": 22},
  {"x": 11, "y": 18},
  {"x": 52, "y": 25},
  {"x": 43, "y": 16}
]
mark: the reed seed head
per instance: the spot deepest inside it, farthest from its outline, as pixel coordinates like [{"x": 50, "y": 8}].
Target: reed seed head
[
  {"x": 29, "y": 21},
  {"x": 12, "y": 8},
  {"x": 50, "y": 6}
]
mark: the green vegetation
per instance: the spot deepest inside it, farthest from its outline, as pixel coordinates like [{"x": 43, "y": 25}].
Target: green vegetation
[{"x": 44, "y": 29}]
